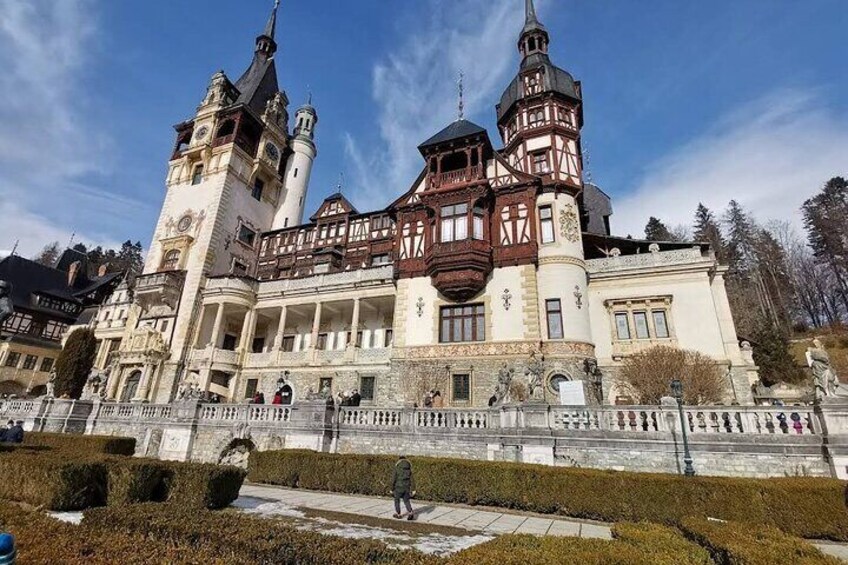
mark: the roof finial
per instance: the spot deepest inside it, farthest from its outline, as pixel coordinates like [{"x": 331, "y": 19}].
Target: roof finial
[
  {"x": 271, "y": 26},
  {"x": 340, "y": 186},
  {"x": 530, "y": 12},
  {"x": 461, "y": 94},
  {"x": 308, "y": 96}
]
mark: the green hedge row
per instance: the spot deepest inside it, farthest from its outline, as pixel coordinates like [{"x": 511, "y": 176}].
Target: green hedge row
[
  {"x": 41, "y": 539},
  {"x": 252, "y": 539},
  {"x": 732, "y": 543},
  {"x": 82, "y": 444},
  {"x": 59, "y": 482},
  {"x": 806, "y": 507}
]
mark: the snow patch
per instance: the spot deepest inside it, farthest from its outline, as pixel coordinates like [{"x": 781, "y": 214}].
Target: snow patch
[{"x": 69, "y": 517}]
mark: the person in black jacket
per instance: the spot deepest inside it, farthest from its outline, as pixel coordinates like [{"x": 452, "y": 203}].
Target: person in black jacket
[
  {"x": 16, "y": 433},
  {"x": 402, "y": 487},
  {"x": 4, "y": 433}
]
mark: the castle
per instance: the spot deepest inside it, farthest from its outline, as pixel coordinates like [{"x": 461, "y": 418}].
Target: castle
[{"x": 495, "y": 258}]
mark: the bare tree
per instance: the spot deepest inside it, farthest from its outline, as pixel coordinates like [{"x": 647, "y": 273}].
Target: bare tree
[
  {"x": 647, "y": 376},
  {"x": 423, "y": 379}
]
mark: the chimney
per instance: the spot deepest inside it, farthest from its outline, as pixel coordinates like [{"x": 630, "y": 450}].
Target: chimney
[
  {"x": 73, "y": 272},
  {"x": 101, "y": 272}
]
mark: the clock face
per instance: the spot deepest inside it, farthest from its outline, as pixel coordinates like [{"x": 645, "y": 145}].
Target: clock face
[
  {"x": 201, "y": 133},
  {"x": 271, "y": 151},
  {"x": 184, "y": 223}
]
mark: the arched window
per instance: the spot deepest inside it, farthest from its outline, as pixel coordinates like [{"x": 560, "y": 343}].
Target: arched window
[
  {"x": 536, "y": 117},
  {"x": 531, "y": 44},
  {"x": 197, "y": 175},
  {"x": 171, "y": 260}
]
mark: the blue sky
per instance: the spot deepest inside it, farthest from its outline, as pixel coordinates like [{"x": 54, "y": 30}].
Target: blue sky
[{"x": 684, "y": 101}]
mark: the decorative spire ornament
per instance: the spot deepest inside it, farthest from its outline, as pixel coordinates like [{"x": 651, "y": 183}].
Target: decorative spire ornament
[{"x": 461, "y": 100}]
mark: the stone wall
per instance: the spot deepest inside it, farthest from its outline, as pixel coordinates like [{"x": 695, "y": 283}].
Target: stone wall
[{"x": 724, "y": 441}]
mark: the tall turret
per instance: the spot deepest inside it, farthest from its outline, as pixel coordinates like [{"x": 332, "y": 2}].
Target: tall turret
[{"x": 298, "y": 168}]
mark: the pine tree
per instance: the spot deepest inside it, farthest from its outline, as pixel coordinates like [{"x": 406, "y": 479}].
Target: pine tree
[
  {"x": 740, "y": 237},
  {"x": 825, "y": 218},
  {"x": 48, "y": 255},
  {"x": 773, "y": 357},
  {"x": 707, "y": 230},
  {"x": 655, "y": 230},
  {"x": 74, "y": 363}
]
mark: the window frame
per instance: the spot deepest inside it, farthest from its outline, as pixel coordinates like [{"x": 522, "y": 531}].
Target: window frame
[
  {"x": 197, "y": 174},
  {"x": 372, "y": 387},
  {"x": 16, "y": 355},
  {"x": 535, "y": 161},
  {"x": 258, "y": 189},
  {"x": 466, "y": 388},
  {"x": 30, "y": 362},
  {"x": 46, "y": 364},
  {"x": 556, "y": 314},
  {"x": 242, "y": 229},
  {"x": 454, "y": 323},
  {"x": 546, "y": 223},
  {"x": 452, "y": 217}
]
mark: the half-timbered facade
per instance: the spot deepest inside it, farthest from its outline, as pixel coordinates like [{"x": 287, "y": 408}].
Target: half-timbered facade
[{"x": 495, "y": 259}]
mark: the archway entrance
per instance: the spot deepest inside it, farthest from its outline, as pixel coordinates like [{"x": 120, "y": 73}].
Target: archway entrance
[
  {"x": 287, "y": 393},
  {"x": 131, "y": 386}
]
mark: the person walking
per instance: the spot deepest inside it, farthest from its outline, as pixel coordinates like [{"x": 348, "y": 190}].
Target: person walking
[
  {"x": 402, "y": 487},
  {"x": 4, "y": 433},
  {"x": 438, "y": 401}
]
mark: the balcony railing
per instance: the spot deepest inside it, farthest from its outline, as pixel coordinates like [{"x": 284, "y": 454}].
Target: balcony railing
[{"x": 451, "y": 178}]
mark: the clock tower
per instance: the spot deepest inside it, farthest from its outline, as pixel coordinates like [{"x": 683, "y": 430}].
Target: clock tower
[{"x": 228, "y": 179}]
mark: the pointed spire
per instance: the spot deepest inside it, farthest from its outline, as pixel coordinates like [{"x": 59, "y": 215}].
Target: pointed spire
[
  {"x": 531, "y": 21},
  {"x": 271, "y": 26}
]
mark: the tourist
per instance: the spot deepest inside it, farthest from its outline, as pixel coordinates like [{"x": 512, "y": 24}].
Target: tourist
[
  {"x": 278, "y": 397},
  {"x": 257, "y": 398},
  {"x": 355, "y": 398},
  {"x": 15, "y": 434},
  {"x": 261, "y": 398},
  {"x": 428, "y": 400},
  {"x": 438, "y": 401},
  {"x": 402, "y": 487},
  {"x": 493, "y": 400},
  {"x": 4, "y": 433}
]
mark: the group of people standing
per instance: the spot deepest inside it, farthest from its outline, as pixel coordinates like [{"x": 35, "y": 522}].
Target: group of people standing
[
  {"x": 349, "y": 398},
  {"x": 13, "y": 432},
  {"x": 433, "y": 399}
]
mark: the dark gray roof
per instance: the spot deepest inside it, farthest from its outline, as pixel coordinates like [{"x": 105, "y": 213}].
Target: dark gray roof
[
  {"x": 258, "y": 84},
  {"x": 457, "y": 130},
  {"x": 598, "y": 206},
  {"x": 554, "y": 79},
  {"x": 531, "y": 22}
]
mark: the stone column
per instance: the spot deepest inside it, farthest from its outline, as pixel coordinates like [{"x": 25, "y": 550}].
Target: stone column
[
  {"x": 144, "y": 383},
  {"x": 199, "y": 327},
  {"x": 216, "y": 329},
  {"x": 281, "y": 330},
  {"x": 247, "y": 329},
  {"x": 114, "y": 382},
  {"x": 316, "y": 324},
  {"x": 354, "y": 324}
]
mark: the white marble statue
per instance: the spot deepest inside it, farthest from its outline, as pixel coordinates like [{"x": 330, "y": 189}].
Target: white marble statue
[{"x": 825, "y": 381}]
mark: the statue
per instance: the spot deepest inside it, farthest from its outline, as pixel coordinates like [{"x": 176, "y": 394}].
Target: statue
[
  {"x": 93, "y": 383},
  {"x": 534, "y": 371},
  {"x": 825, "y": 381},
  {"x": 6, "y": 308},
  {"x": 310, "y": 394},
  {"x": 325, "y": 392},
  {"x": 596, "y": 378},
  {"x": 51, "y": 385},
  {"x": 504, "y": 381}
]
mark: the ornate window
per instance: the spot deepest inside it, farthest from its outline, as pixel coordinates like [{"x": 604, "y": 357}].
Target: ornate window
[
  {"x": 171, "y": 260},
  {"x": 640, "y": 322},
  {"x": 536, "y": 117},
  {"x": 540, "y": 163},
  {"x": 197, "y": 174},
  {"x": 478, "y": 222},
  {"x": 454, "y": 225},
  {"x": 461, "y": 387},
  {"x": 546, "y": 222},
  {"x": 462, "y": 323},
  {"x": 553, "y": 311},
  {"x": 246, "y": 235}
]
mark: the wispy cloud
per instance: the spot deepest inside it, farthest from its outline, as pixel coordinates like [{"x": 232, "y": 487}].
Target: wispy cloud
[
  {"x": 48, "y": 142},
  {"x": 770, "y": 155},
  {"x": 415, "y": 89}
]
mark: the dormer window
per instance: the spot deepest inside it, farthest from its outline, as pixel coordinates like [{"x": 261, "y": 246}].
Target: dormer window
[{"x": 197, "y": 175}]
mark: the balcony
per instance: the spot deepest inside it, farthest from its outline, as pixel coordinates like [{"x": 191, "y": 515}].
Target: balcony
[
  {"x": 159, "y": 292},
  {"x": 458, "y": 177},
  {"x": 215, "y": 359},
  {"x": 459, "y": 268}
]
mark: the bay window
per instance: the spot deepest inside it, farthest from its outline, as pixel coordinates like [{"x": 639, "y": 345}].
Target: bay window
[{"x": 454, "y": 226}]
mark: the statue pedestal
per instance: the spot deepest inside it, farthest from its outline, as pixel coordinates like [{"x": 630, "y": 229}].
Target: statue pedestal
[{"x": 535, "y": 414}]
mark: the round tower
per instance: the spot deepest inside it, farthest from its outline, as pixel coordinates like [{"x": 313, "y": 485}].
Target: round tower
[{"x": 298, "y": 169}]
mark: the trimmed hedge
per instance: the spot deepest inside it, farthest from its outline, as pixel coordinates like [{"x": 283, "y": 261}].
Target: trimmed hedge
[
  {"x": 253, "y": 539},
  {"x": 58, "y": 481},
  {"x": 81, "y": 444},
  {"x": 806, "y": 507},
  {"x": 42, "y": 539},
  {"x": 52, "y": 480},
  {"x": 732, "y": 543}
]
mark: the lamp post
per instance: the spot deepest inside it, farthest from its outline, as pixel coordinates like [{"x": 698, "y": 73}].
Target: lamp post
[{"x": 677, "y": 392}]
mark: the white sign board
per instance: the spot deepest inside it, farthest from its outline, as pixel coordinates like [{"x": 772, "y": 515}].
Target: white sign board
[{"x": 571, "y": 393}]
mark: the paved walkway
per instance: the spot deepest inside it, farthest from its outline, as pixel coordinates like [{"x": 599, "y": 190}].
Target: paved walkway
[{"x": 487, "y": 521}]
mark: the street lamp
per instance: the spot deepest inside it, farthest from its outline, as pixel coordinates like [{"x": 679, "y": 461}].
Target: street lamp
[{"x": 677, "y": 392}]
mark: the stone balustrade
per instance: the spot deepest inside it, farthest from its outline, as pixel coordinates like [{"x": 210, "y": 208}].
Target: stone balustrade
[
  {"x": 646, "y": 260},
  {"x": 724, "y": 440}
]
